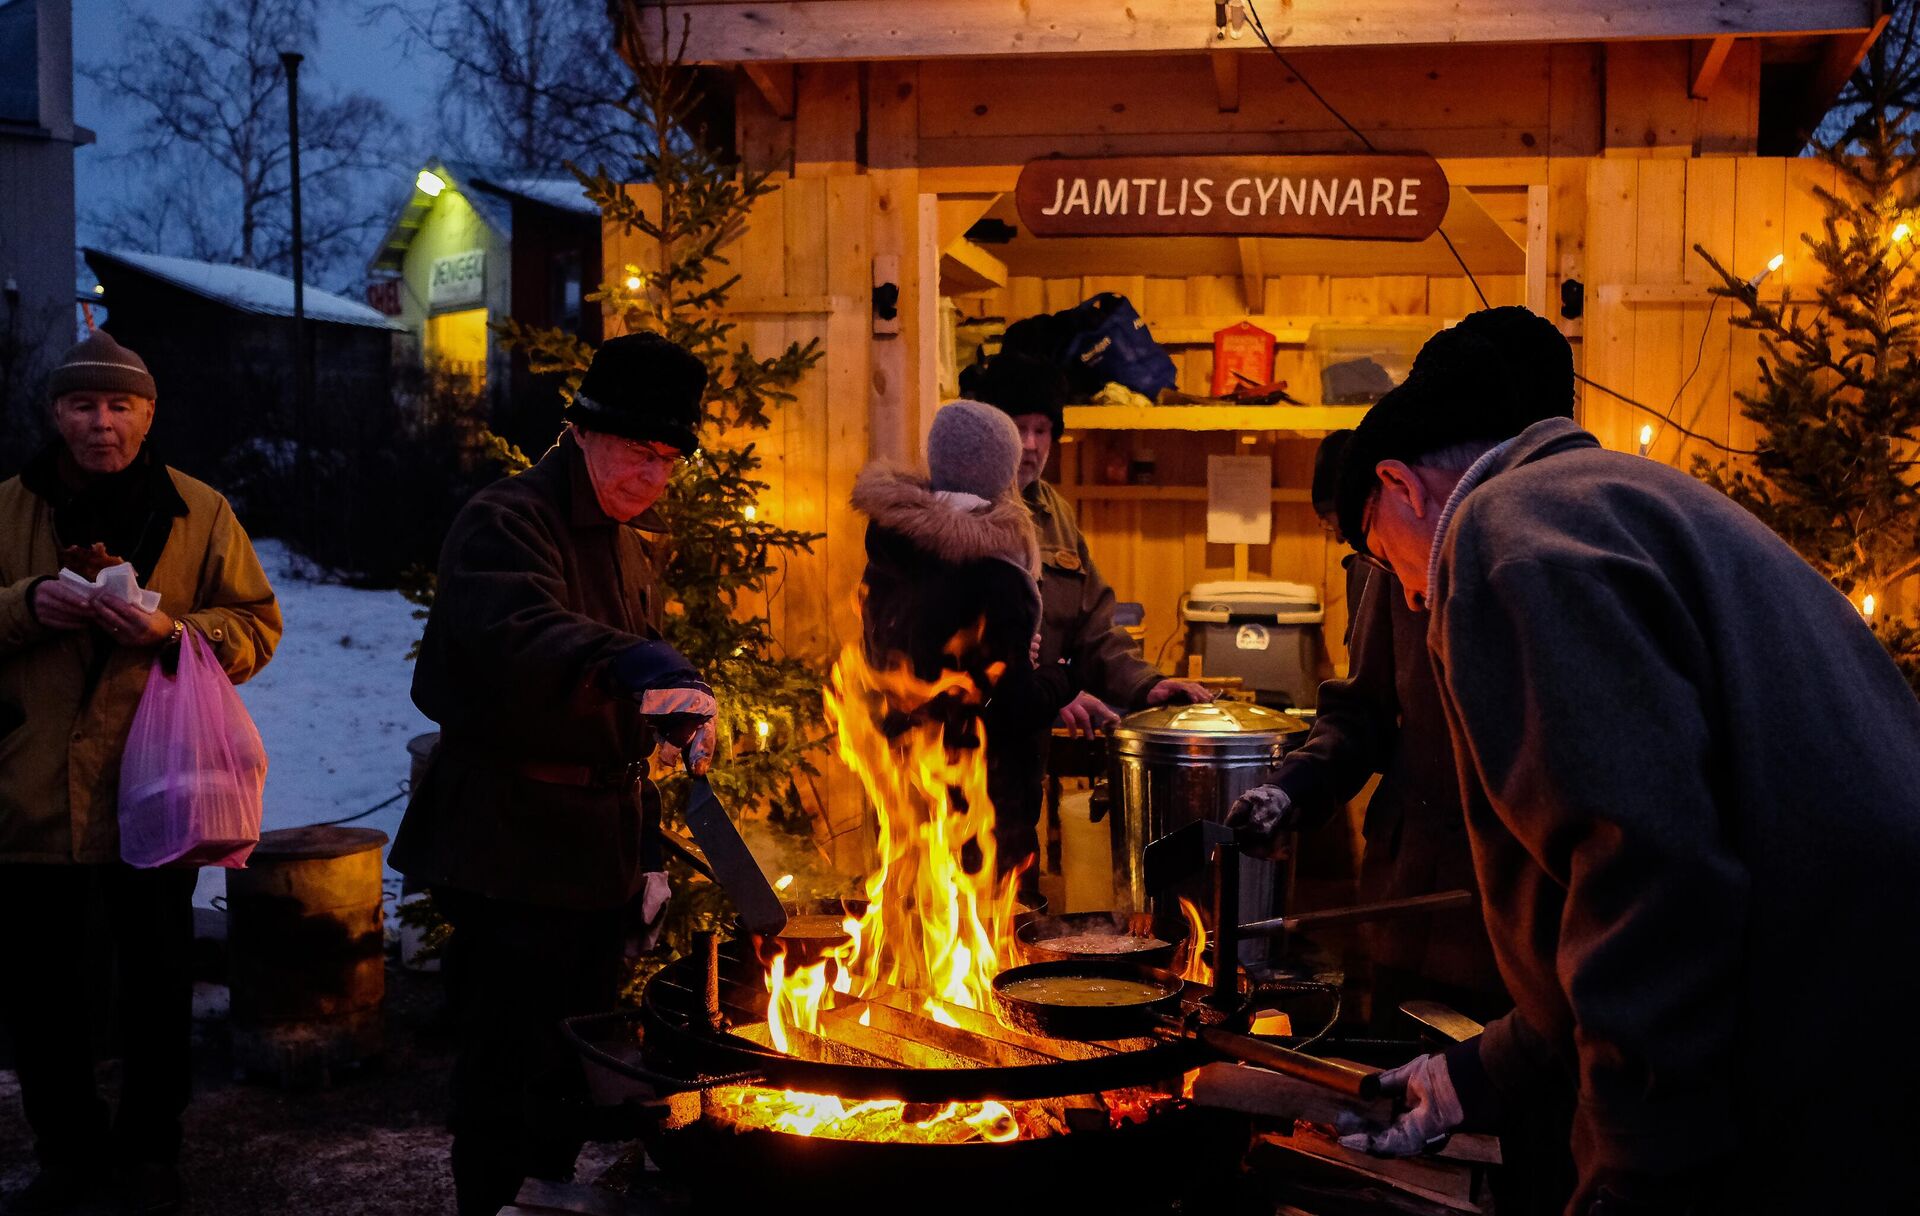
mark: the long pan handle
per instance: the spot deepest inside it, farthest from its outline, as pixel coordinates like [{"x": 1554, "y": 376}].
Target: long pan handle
[
  {"x": 1441, "y": 902},
  {"x": 1353, "y": 1082},
  {"x": 688, "y": 852}
]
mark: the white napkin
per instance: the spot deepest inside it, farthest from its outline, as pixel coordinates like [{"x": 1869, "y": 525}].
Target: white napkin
[{"x": 118, "y": 582}]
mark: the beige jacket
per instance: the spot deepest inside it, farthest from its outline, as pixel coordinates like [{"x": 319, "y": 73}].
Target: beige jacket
[{"x": 60, "y": 768}]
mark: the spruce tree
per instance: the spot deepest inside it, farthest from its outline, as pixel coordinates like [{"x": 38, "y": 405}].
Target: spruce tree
[
  {"x": 1837, "y": 408},
  {"x": 723, "y": 553}
]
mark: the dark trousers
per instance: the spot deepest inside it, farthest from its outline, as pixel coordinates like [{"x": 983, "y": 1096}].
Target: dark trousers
[
  {"x": 514, "y": 971},
  {"x": 49, "y": 958}
]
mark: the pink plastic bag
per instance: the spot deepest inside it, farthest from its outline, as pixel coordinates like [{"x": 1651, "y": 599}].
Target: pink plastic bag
[{"x": 192, "y": 778}]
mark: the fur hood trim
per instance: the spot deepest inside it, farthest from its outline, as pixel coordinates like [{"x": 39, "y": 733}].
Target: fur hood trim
[{"x": 900, "y": 500}]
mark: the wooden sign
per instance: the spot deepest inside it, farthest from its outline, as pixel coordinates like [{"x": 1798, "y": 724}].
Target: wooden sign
[
  {"x": 1371, "y": 198},
  {"x": 1245, "y": 349}
]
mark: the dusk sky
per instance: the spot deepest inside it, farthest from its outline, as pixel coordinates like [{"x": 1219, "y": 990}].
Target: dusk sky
[{"x": 353, "y": 54}]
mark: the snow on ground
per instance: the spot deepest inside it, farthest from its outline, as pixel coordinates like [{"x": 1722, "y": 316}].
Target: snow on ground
[{"x": 333, "y": 706}]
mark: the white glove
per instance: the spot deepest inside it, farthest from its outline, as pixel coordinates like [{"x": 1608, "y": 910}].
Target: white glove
[
  {"x": 654, "y": 894},
  {"x": 1433, "y": 1110},
  {"x": 663, "y": 702}
]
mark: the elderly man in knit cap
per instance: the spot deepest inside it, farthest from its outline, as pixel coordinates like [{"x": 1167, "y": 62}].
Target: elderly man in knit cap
[
  {"x": 953, "y": 556},
  {"x": 1384, "y": 717},
  {"x": 1692, "y": 785},
  {"x": 1077, "y": 630},
  {"x": 535, "y": 825},
  {"x": 73, "y": 665}
]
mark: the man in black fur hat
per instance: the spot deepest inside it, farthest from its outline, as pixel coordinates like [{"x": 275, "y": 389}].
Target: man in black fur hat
[
  {"x": 1691, "y": 777},
  {"x": 535, "y": 824}
]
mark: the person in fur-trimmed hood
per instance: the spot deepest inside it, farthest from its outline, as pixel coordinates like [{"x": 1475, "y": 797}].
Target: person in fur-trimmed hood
[{"x": 952, "y": 554}]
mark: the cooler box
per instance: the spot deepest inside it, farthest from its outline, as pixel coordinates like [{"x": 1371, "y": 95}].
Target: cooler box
[{"x": 1267, "y": 633}]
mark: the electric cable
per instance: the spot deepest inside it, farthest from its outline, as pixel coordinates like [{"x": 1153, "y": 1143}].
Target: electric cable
[{"x": 1260, "y": 31}]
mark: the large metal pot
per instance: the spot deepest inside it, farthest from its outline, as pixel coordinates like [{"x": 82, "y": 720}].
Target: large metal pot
[{"x": 1175, "y": 764}]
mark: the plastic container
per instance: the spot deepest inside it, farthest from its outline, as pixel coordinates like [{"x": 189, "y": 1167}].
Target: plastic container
[
  {"x": 1267, "y": 633},
  {"x": 1359, "y": 363}
]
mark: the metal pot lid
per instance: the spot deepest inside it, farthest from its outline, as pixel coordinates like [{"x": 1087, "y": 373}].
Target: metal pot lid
[{"x": 1216, "y": 722}]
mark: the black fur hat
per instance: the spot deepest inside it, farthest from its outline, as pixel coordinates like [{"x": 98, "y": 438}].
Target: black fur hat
[
  {"x": 1536, "y": 354},
  {"x": 643, "y": 387},
  {"x": 1017, "y": 383}
]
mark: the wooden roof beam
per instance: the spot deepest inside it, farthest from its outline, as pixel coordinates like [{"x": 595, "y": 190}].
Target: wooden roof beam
[
  {"x": 740, "y": 31},
  {"x": 775, "y": 83},
  {"x": 1708, "y": 58},
  {"x": 1841, "y": 55}
]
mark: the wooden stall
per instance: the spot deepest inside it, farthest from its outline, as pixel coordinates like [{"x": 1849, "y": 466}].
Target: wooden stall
[{"x": 1587, "y": 145}]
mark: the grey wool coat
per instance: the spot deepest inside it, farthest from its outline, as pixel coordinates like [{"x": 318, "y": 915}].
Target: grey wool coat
[
  {"x": 1692, "y": 780},
  {"x": 538, "y": 589}
]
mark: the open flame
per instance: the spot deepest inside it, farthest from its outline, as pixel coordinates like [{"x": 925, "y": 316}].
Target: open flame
[
  {"x": 939, "y": 918},
  {"x": 1197, "y": 969}
]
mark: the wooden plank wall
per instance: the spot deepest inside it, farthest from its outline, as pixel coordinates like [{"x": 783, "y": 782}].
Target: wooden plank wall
[{"x": 1644, "y": 217}]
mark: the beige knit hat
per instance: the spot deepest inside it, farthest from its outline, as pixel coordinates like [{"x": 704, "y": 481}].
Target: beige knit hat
[{"x": 101, "y": 365}]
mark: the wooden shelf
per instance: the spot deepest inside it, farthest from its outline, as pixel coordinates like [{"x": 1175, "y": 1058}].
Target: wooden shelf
[
  {"x": 1283, "y": 419},
  {"x": 1198, "y": 330},
  {"x": 1100, "y": 493}
]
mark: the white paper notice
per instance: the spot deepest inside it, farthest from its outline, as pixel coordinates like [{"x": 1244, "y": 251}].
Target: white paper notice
[{"x": 1239, "y": 500}]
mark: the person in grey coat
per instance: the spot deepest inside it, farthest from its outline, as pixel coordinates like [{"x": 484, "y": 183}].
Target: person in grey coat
[{"x": 1692, "y": 780}]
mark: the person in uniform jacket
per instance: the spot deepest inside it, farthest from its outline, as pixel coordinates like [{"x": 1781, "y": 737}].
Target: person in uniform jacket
[
  {"x": 950, "y": 585},
  {"x": 534, "y": 825},
  {"x": 1691, "y": 777},
  {"x": 72, "y": 671},
  {"x": 1384, "y": 717},
  {"x": 1077, "y": 631}
]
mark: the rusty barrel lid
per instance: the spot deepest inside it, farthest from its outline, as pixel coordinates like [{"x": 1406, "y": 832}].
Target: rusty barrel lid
[{"x": 314, "y": 843}]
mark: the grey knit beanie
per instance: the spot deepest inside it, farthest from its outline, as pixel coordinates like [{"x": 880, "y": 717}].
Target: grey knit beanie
[
  {"x": 973, "y": 448},
  {"x": 101, "y": 365}
]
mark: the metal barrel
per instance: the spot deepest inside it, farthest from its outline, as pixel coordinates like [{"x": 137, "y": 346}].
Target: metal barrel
[{"x": 307, "y": 952}]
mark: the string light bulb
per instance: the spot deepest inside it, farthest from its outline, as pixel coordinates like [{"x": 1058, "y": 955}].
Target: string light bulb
[
  {"x": 1901, "y": 232},
  {"x": 1867, "y": 605},
  {"x": 783, "y": 882},
  {"x": 763, "y": 728},
  {"x": 430, "y": 183},
  {"x": 1646, "y": 438},
  {"x": 634, "y": 282},
  {"x": 750, "y": 512},
  {"x": 1773, "y": 263}
]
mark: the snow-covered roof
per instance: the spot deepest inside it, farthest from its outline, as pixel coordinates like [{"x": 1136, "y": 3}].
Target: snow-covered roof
[
  {"x": 248, "y": 290},
  {"x": 560, "y": 193}
]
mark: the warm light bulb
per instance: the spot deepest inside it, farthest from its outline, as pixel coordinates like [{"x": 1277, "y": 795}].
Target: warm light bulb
[
  {"x": 1646, "y": 438},
  {"x": 430, "y": 183},
  {"x": 1867, "y": 605},
  {"x": 763, "y": 728},
  {"x": 1901, "y": 232},
  {"x": 1776, "y": 262},
  {"x": 98, "y": 290},
  {"x": 751, "y": 512},
  {"x": 783, "y": 882},
  {"x": 634, "y": 281}
]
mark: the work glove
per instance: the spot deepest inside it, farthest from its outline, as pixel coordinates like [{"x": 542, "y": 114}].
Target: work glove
[
  {"x": 1433, "y": 1110},
  {"x": 695, "y": 746},
  {"x": 1259, "y": 816},
  {"x": 672, "y": 695},
  {"x": 654, "y": 894}
]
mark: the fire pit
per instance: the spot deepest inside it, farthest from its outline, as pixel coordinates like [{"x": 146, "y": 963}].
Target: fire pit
[
  {"x": 874, "y": 1070},
  {"x": 886, "y": 1096}
]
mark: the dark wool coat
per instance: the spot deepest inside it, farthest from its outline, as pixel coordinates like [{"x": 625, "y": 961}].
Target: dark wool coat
[
  {"x": 934, "y": 573},
  {"x": 1385, "y": 717},
  {"x": 1692, "y": 779},
  {"x": 538, "y": 589}
]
